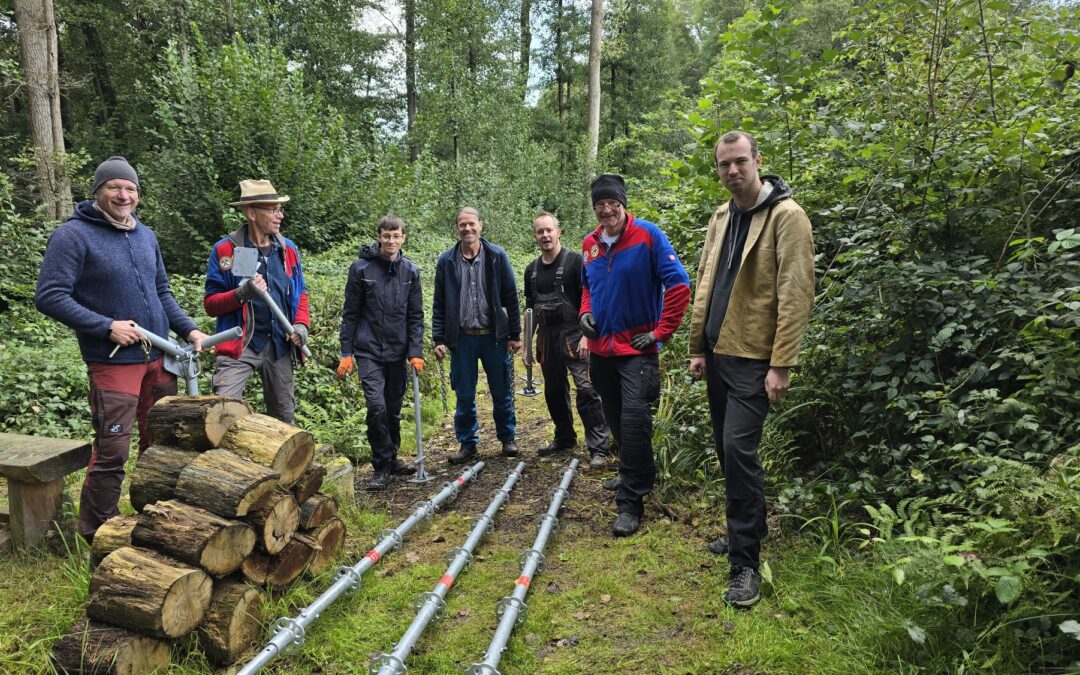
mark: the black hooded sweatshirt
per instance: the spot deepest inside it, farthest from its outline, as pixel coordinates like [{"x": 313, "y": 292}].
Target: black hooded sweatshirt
[{"x": 773, "y": 190}]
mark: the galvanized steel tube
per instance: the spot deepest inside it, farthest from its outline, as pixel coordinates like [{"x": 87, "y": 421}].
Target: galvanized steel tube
[
  {"x": 431, "y": 605},
  {"x": 289, "y": 632},
  {"x": 512, "y": 609}
]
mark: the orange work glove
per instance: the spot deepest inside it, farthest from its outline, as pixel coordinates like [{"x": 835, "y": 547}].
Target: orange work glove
[
  {"x": 345, "y": 366},
  {"x": 418, "y": 363}
]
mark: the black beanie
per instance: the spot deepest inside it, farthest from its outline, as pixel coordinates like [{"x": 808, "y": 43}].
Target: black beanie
[
  {"x": 114, "y": 167},
  {"x": 609, "y": 186}
]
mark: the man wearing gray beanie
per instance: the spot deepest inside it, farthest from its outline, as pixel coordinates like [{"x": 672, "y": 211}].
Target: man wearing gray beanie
[{"x": 102, "y": 274}]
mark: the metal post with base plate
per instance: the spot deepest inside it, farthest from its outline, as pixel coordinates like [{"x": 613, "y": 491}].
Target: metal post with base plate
[
  {"x": 421, "y": 475},
  {"x": 530, "y": 387}
]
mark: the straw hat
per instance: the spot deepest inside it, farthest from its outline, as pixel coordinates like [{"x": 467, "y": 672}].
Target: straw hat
[{"x": 254, "y": 192}]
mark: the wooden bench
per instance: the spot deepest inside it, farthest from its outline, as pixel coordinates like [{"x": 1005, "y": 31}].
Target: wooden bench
[{"x": 35, "y": 467}]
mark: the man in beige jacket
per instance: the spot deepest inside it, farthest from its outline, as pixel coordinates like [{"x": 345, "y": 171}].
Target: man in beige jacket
[{"x": 752, "y": 302}]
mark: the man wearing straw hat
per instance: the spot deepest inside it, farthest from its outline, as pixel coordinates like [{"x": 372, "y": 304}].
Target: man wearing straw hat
[{"x": 265, "y": 346}]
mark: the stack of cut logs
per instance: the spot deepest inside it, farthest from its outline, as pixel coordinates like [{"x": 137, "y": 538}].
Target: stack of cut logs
[{"x": 229, "y": 505}]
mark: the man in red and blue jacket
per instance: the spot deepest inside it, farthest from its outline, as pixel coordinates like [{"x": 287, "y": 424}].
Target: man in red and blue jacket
[
  {"x": 265, "y": 346},
  {"x": 634, "y": 293}
]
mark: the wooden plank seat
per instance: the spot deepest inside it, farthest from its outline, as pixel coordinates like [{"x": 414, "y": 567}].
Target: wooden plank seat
[{"x": 35, "y": 467}]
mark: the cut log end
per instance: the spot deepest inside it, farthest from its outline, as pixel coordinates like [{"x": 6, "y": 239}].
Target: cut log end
[
  {"x": 331, "y": 539},
  {"x": 233, "y": 623},
  {"x": 90, "y": 647}
]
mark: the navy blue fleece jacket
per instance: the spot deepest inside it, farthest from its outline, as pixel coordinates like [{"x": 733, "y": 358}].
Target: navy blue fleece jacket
[{"x": 94, "y": 274}]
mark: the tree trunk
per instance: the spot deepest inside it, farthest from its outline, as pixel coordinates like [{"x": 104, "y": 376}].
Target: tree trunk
[
  {"x": 410, "y": 77},
  {"x": 526, "y": 48},
  {"x": 317, "y": 510},
  {"x": 38, "y": 56},
  {"x": 194, "y": 422},
  {"x": 91, "y": 647},
  {"x": 156, "y": 472},
  {"x": 113, "y": 534},
  {"x": 331, "y": 539},
  {"x": 283, "y": 568},
  {"x": 225, "y": 484},
  {"x": 275, "y": 520},
  {"x": 233, "y": 623},
  {"x": 273, "y": 444},
  {"x": 558, "y": 49},
  {"x": 103, "y": 86},
  {"x": 148, "y": 593},
  {"x": 194, "y": 536},
  {"x": 309, "y": 483},
  {"x": 596, "y": 36}
]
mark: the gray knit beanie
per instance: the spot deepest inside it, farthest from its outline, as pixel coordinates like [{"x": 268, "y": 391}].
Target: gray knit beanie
[{"x": 114, "y": 167}]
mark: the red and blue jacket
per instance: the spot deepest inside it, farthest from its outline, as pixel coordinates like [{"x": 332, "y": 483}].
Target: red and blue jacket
[
  {"x": 637, "y": 285},
  {"x": 221, "y": 299}
]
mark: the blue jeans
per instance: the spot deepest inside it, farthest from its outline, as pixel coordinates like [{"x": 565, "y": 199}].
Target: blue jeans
[{"x": 464, "y": 371}]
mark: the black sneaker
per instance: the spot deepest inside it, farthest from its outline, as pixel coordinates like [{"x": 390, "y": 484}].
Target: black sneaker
[
  {"x": 554, "y": 448},
  {"x": 625, "y": 525},
  {"x": 719, "y": 546},
  {"x": 613, "y": 484},
  {"x": 378, "y": 481},
  {"x": 510, "y": 449},
  {"x": 743, "y": 591},
  {"x": 400, "y": 468},
  {"x": 466, "y": 454}
]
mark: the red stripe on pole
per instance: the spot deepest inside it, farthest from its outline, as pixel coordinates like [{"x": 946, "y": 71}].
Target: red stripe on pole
[
  {"x": 524, "y": 581},
  {"x": 374, "y": 556},
  {"x": 460, "y": 480},
  {"x": 447, "y": 581}
]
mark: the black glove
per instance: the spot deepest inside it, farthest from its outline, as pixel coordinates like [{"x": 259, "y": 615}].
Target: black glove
[
  {"x": 588, "y": 326},
  {"x": 643, "y": 341}
]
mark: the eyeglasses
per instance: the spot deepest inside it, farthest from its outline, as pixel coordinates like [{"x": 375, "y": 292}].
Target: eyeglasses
[
  {"x": 272, "y": 209},
  {"x": 606, "y": 206}
]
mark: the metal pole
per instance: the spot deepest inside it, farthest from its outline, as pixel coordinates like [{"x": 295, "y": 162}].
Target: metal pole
[
  {"x": 530, "y": 388},
  {"x": 431, "y": 605},
  {"x": 442, "y": 376},
  {"x": 421, "y": 475},
  {"x": 280, "y": 315},
  {"x": 289, "y": 633},
  {"x": 512, "y": 609},
  {"x": 187, "y": 361}
]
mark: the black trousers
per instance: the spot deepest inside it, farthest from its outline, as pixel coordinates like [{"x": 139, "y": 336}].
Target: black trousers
[
  {"x": 738, "y": 406},
  {"x": 557, "y": 353},
  {"x": 384, "y": 387},
  {"x": 628, "y": 387}
]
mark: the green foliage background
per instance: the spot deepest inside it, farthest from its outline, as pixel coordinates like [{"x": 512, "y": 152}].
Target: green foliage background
[{"x": 932, "y": 433}]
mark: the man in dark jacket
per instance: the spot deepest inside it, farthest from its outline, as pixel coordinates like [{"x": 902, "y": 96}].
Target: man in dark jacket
[
  {"x": 475, "y": 317},
  {"x": 382, "y": 324},
  {"x": 103, "y": 274},
  {"x": 265, "y": 346},
  {"x": 553, "y": 293}
]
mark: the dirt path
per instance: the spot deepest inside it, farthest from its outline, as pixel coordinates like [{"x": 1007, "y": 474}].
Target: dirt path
[{"x": 530, "y": 498}]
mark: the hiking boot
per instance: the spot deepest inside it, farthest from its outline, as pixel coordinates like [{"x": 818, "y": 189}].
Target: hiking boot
[
  {"x": 613, "y": 484},
  {"x": 510, "y": 449},
  {"x": 554, "y": 448},
  {"x": 599, "y": 460},
  {"x": 743, "y": 591},
  {"x": 466, "y": 454},
  {"x": 625, "y": 525},
  {"x": 378, "y": 481},
  {"x": 719, "y": 546},
  {"x": 400, "y": 468}
]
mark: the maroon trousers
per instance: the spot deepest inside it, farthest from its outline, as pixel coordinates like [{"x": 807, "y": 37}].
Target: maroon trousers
[{"x": 119, "y": 395}]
